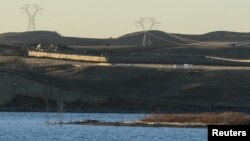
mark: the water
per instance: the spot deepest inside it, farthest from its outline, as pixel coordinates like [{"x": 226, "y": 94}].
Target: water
[{"x": 32, "y": 127}]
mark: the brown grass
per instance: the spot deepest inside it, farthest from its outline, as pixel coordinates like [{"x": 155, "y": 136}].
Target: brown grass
[{"x": 206, "y": 118}]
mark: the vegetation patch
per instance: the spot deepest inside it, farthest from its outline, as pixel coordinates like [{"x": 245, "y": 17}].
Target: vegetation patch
[{"x": 226, "y": 118}]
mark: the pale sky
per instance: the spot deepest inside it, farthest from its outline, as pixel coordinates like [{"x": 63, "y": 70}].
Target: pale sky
[{"x": 112, "y": 18}]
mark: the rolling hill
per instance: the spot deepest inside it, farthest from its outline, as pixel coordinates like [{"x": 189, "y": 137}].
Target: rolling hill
[
  {"x": 124, "y": 89},
  {"x": 47, "y": 37},
  {"x": 131, "y": 39}
]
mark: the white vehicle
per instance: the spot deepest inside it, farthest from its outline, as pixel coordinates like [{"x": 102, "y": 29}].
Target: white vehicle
[
  {"x": 188, "y": 66},
  {"x": 175, "y": 66},
  {"x": 39, "y": 47}
]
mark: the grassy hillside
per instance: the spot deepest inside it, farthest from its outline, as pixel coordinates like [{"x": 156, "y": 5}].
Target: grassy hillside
[
  {"x": 12, "y": 50},
  {"x": 26, "y": 83},
  {"x": 127, "y": 89},
  {"x": 131, "y": 39},
  {"x": 158, "y": 37},
  {"x": 170, "y": 55},
  {"x": 47, "y": 37}
]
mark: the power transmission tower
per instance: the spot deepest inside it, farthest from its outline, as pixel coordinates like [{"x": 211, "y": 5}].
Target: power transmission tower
[
  {"x": 31, "y": 10},
  {"x": 146, "y": 24}
]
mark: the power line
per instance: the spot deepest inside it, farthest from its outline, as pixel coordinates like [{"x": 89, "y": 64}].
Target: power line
[
  {"x": 56, "y": 23},
  {"x": 132, "y": 34},
  {"x": 73, "y": 30},
  {"x": 163, "y": 39},
  {"x": 10, "y": 20},
  {"x": 31, "y": 11},
  {"x": 12, "y": 23},
  {"x": 243, "y": 44},
  {"x": 182, "y": 39},
  {"x": 196, "y": 42},
  {"x": 48, "y": 27},
  {"x": 146, "y": 24}
]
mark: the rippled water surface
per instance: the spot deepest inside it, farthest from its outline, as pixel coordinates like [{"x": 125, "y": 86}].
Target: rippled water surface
[{"x": 32, "y": 127}]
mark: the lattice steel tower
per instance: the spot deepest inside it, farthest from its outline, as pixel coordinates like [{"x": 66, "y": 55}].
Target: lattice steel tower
[
  {"x": 31, "y": 10},
  {"x": 146, "y": 24}
]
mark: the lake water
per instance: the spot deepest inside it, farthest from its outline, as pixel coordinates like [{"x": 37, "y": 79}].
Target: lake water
[{"x": 32, "y": 127}]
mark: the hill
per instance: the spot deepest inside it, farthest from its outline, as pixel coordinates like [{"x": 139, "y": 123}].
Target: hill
[
  {"x": 222, "y": 36},
  {"x": 47, "y": 37},
  {"x": 158, "y": 38},
  {"x": 122, "y": 89}
]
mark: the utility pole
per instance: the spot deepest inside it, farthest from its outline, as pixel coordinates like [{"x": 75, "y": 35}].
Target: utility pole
[
  {"x": 31, "y": 10},
  {"x": 146, "y": 24}
]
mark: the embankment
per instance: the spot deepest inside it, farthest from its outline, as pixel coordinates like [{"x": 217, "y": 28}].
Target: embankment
[
  {"x": 109, "y": 88},
  {"x": 68, "y": 56}
]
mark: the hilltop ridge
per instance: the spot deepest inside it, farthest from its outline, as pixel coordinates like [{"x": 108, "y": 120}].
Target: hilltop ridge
[{"x": 130, "y": 39}]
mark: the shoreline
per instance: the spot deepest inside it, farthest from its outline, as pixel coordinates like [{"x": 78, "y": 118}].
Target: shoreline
[
  {"x": 177, "y": 120},
  {"x": 140, "y": 124},
  {"x": 137, "y": 124}
]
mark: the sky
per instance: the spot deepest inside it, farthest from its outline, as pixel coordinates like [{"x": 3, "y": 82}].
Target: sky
[{"x": 113, "y": 18}]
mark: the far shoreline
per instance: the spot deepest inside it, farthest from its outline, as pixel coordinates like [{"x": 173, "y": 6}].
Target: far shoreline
[
  {"x": 135, "y": 124},
  {"x": 175, "y": 120}
]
